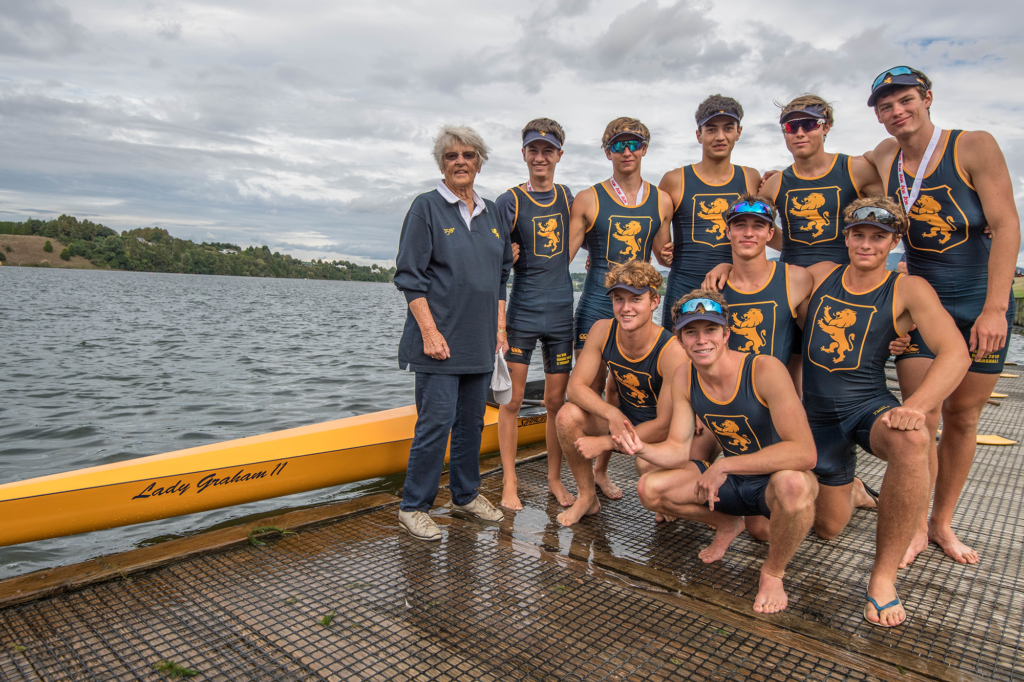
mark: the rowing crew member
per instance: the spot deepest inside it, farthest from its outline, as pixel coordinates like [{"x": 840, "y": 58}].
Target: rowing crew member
[
  {"x": 623, "y": 219},
  {"x": 540, "y": 304},
  {"x": 952, "y": 184},
  {"x": 638, "y": 354},
  {"x": 700, "y": 194},
  {"x": 749, "y": 403},
  {"x": 854, "y": 312}
]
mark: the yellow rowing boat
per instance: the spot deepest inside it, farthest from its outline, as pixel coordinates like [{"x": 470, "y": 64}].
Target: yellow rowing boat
[{"x": 223, "y": 474}]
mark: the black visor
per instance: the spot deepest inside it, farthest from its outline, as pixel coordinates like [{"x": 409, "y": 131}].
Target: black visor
[{"x": 873, "y": 215}]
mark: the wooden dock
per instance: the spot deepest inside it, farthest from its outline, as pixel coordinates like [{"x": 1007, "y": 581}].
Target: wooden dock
[{"x": 618, "y": 597}]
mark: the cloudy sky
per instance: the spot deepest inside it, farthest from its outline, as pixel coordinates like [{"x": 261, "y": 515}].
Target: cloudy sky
[{"x": 307, "y": 125}]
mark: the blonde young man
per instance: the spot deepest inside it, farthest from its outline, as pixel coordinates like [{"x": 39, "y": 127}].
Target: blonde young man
[
  {"x": 952, "y": 184},
  {"x": 638, "y": 355}
]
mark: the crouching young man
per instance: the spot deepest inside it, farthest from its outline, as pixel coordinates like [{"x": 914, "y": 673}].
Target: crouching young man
[
  {"x": 749, "y": 403},
  {"x": 638, "y": 354}
]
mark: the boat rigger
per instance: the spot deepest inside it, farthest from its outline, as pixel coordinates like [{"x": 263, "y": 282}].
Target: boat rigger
[{"x": 223, "y": 474}]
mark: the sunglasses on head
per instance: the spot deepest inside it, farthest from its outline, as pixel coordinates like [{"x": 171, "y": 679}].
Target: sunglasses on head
[
  {"x": 623, "y": 145},
  {"x": 807, "y": 124},
  {"x": 454, "y": 156},
  {"x": 895, "y": 71},
  {"x": 874, "y": 214},
  {"x": 706, "y": 304},
  {"x": 756, "y": 208}
]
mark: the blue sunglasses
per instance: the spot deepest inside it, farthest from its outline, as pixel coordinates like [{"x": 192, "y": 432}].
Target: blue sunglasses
[
  {"x": 707, "y": 304},
  {"x": 622, "y": 145},
  {"x": 895, "y": 71},
  {"x": 756, "y": 208}
]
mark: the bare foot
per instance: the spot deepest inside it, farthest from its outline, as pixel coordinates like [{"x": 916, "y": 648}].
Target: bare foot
[
  {"x": 510, "y": 496},
  {"x": 564, "y": 497},
  {"x": 951, "y": 545},
  {"x": 894, "y": 615},
  {"x": 861, "y": 498},
  {"x": 663, "y": 518},
  {"x": 580, "y": 508},
  {"x": 771, "y": 598},
  {"x": 917, "y": 545},
  {"x": 724, "y": 535},
  {"x": 609, "y": 489}
]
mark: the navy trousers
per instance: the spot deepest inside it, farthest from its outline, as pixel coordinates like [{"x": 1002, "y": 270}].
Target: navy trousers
[{"x": 446, "y": 403}]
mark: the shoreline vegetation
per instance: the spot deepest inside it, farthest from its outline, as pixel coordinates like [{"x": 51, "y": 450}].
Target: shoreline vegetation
[{"x": 88, "y": 245}]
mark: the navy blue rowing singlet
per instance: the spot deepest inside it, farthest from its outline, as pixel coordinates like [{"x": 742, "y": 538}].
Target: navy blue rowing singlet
[
  {"x": 639, "y": 380},
  {"x": 619, "y": 234},
  {"x": 846, "y": 338},
  {"x": 946, "y": 242},
  {"x": 743, "y": 424},
  {"x": 541, "y": 274},
  {"x": 698, "y": 225},
  {"x": 763, "y": 321},
  {"x": 811, "y": 211}
]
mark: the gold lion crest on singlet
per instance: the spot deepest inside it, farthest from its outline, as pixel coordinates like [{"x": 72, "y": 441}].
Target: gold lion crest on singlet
[
  {"x": 627, "y": 236},
  {"x": 635, "y": 387},
  {"x": 548, "y": 235},
  {"x": 936, "y": 222},
  {"x": 753, "y": 326},
  {"x": 733, "y": 433},
  {"x": 812, "y": 213},
  {"x": 837, "y": 334},
  {"x": 708, "y": 224}
]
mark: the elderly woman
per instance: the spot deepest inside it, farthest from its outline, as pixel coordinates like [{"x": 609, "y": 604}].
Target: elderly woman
[{"x": 454, "y": 258}]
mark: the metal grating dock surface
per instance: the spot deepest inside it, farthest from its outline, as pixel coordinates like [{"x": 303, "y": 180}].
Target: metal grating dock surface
[{"x": 617, "y": 597}]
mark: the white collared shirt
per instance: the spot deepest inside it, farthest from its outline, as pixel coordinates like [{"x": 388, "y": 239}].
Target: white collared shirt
[{"x": 478, "y": 203}]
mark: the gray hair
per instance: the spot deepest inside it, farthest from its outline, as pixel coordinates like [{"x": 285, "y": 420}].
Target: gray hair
[{"x": 449, "y": 135}]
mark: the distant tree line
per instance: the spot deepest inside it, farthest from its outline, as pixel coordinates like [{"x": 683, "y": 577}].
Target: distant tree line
[{"x": 152, "y": 249}]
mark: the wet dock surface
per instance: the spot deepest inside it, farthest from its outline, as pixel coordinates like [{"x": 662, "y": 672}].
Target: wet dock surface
[{"x": 616, "y": 597}]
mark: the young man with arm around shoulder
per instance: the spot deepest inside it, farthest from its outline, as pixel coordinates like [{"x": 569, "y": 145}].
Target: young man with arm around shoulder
[
  {"x": 854, "y": 312},
  {"x": 700, "y": 194},
  {"x": 952, "y": 184},
  {"x": 750, "y": 405},
  {"x": 622, "y": 219},
  {"x": 540, "y": 303},
  {"x": 638, "y": 354}
]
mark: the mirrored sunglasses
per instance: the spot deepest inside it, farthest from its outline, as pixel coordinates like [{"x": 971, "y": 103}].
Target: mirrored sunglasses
[
  {"x": 707, "y": 304},
  {"x": 874, "y": 214},
  {"x": 757, "y": 208},
  {"x": 623, "y": 145},
  {"x": 895, "y": 71},
  {"x": 807, "y": 124}
]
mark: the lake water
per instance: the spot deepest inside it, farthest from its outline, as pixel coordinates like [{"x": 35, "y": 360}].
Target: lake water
[{"x": 99, "y": 367}]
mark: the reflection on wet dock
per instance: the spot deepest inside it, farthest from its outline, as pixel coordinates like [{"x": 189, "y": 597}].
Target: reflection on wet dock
[{"x": 617, "y": 597}]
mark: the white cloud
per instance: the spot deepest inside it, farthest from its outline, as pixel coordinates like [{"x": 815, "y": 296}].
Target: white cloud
[{"x": 258, "y": 123}]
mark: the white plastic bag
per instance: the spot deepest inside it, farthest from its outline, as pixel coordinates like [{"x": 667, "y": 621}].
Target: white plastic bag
[{"x": 501, "y": 381}]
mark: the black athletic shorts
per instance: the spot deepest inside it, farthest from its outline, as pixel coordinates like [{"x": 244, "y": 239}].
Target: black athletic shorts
[
  {"x": 554, "y": 331},
  {"x": 839, "y": 430},
  {"x": 741, "y": 495}
]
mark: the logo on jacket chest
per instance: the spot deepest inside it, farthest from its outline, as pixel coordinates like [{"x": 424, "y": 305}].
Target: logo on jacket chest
[
  {"x": 628, "y": 237},
  {"x": 753, "y": 327},
  {"x": 838, "y": 331},
  {"x": 936, "y": 221},
  {"x": 733, "y": 433},
  {"x": 708, "y": 223},
  {"x": 812, "y": 215},
  {"x": 548, "y": 235}
]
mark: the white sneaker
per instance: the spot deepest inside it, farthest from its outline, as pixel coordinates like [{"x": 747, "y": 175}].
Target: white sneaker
[
  {"x": 419, "y": 525},
  {"x": 481, "y": 508}
]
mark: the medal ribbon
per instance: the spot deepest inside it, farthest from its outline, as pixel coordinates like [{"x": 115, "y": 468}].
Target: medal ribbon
[
  {"x": 909, "y": 198},
  {"x": 622, "y": 195}
]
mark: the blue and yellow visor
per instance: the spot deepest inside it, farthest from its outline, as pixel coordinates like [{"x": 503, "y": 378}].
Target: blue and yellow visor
[
  {"x": 699, "y": 309},
  {"x": 897, "y": 75}
]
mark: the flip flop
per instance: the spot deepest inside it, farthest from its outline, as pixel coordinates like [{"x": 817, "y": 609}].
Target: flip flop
[
  {"x": 870, "y": 491},
  {"x": 879, "y": 609}
]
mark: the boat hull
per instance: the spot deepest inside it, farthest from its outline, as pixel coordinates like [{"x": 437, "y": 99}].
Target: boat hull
[{"x": 222, "y": 475}]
